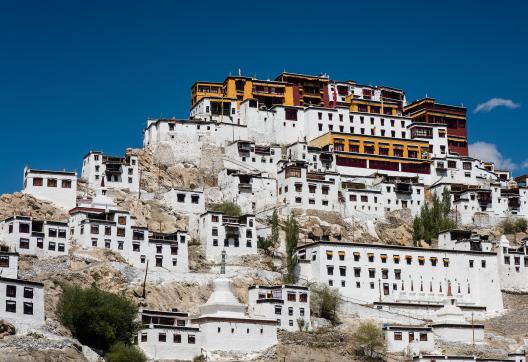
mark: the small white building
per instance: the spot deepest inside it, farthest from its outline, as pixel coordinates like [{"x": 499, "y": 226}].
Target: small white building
[
  {"x": 513, "y": 265},
  {"x": 8, "y": 264},
  {"x": 24, "y": 303},
  {"x": 253, "y": 192},
  {"x": 304, "y": 190},
  {"x": 116, "y": 230},
  {"x": 27, "y": 236},
  {"x": 58, "y": 187},
  {"x": 100, "y": 170},
  {"x": 168, "y": 335},
  {"x": 288, "y": 304},
  {"x": 410, "y": 340},
  {"x": 250, "y": 157},
  {"x": 236, "y": 235},
  {"x": 225, "y": 325}
]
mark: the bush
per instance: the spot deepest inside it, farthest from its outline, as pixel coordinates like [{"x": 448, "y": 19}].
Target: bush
[
  {"x": 228, "y": 208},
  {"x": 96, "y": 318},
  {"x": 121, "y": 352},
  {"x": 368, "y": 339},
  {"x": 513, "y": 226},
  {"x": 325, "y": 302},
  {"x": 264, "y": 244}
]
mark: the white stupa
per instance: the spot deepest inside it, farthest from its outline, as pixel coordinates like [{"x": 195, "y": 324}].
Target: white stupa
[
  {"x": 449, "y": 323},
  {"x": 222, "y": 302}
]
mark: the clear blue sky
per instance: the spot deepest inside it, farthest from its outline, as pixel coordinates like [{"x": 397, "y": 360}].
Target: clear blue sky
[{"x": 81, "y": 75}]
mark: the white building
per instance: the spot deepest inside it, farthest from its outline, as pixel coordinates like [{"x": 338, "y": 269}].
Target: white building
[
  {"x": 513, "y": 266},
  {"x": 101, "y": 170},
  {"x": 190, "y": 203},
  {"x": 252, "y": 158},
  {"x": 410, "y": 340},
  {"x": 236, "y": 235},
  {"x": 116, "y": 230},
  {"x": 25, "y": 235},
  {"x": 58, "y": 187},
  {"x": 288, "y": 304},
  {"x": 253, "y": 192},
  {"x": 8, "y": 264},
  {"x": 304, "y": 190},
  {"x": 403, "y": 279},
  {"x": 168, "y": 335},
  {"x": 225, "y": 325},
  {"x": 24, "y": 303}
]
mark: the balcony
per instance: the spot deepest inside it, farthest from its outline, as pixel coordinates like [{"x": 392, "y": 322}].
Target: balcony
[
  {"x": 403, "y": 188},
  {"x": 245, "y": 188}
]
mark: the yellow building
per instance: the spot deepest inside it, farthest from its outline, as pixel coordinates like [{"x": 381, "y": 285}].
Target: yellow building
[
  {"x": 383, "y": 153},
  {"x": 267, "y": 92},
  {"x": 371, "y": 106}
]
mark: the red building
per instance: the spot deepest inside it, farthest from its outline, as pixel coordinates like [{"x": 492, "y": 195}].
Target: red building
[
  {"x": 454, "y": 117},
  {"x": 307, "y": 89}
]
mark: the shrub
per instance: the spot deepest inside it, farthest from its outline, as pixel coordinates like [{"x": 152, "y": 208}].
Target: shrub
[
  {"x": 325, "y": 302},
  {"x": 96, "y": 318},
  {"x": 368, "y": 339},
  {"x": 264, "y": 244},
  {"x": 121, "y": 352},
  {"x": 228, "y": 208},
  {"x": 513, "y": 226}
]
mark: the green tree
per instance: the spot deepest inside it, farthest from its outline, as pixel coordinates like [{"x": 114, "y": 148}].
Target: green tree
[
  {"x": 433, "y": 218},
  {"x": 96, "y": 318},
  {"x": 228, "y": 208},
  {"x": 121, "y": 352},
  {"x": 275, "y": 228},
  {"x": 325, "y": 302},
  {"x": 368, "y": 339},
  {"x": 291, "y": 228}
]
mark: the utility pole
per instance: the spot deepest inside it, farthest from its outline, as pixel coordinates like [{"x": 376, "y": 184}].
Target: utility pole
[
  {"x": 473, "y": 329},
  {"x": 145, "y": 281}
]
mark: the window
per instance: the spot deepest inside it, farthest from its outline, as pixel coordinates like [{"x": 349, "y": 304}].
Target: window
[
  {"x": 303, "y": 297},
  {"x": 180, "y": 197},
  {"x": 176, "y": 338},
  {"x": 278, "y": 309},
  {"x": 301, "y": 312},
  {"x": 121, "y": 220},
  {"x": 38, "y": 181},
  {"x": 162, "y": 337},
  {"x": 108, "y": 230},
  {"x": 370, "y": 257},
  {"x": 66, "y": 184},
  {"x": 214, "y": 231},
  {"x": 214, "y": 218},
  {"x": 342, "y": 271},
  {"x": 24, "y": 244},
  {"x": 28, "y": 308},
  {"x": 357, "y": 272},
  {"x": 52, "y": 182},
  {"x": 290, "y": 311},
  {"x": 4, "y": 261},
  {"x": 120, "y": 245},
  {"x": 51, "y": 246},
  {"x": 121, "y": 232},
  {"x": 94, "y": 242},
  {"x": 446, "y": 262},
  {"x": 143, "y": 337},
  {"x": 451, "y": 164},
  {"x": 397, "y": 274},
  {"x": 423, "y": 337},
  {"x": 11, "y": 291},
  {"x": 483, "y": 263},
  {"x": 471, "y": 263},
  {"x": 384, "y": 274},
  {"x": 159, "y": 248},
  {"x": 352, "y": 197},
  {"x": 10, "y": 306},
  {"x": 330, "y": 270},
  {"x": 397, "y": 336},
  {"x": 292, "y": 297},
  {"x": 372, "y": 273},
  {"x": 62, "y": 233},
  {"x": 421, "y": 260},
  {"x": 195, "y": 199},
  {"x": 356, "y": 256},
  {"x": 23, "y": 228},
  {"x": 52, "y": 233},
  {"x": 94, "y": 229}
]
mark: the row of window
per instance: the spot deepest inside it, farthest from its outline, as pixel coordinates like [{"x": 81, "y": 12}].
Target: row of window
[
  {"x": 51, "y": 182},
  {"x": 235, "y": 243},
  {"x": 52, "y": 246},
  {"x": 181, "y": 198},
  {"x": 135, "y": 246},
  {"x": 11, "y": 307},
  {"x": 385, "y": 287},
  {"x": 162, "y": 337},
  {"x": 422, "y": 336},
  {"x": 396, "y": 258},
  {"x": 24, "y": 228},
  {"x": 290, "y": 296},
  {"x": 278, "y": 310},
  {"x": 249, "y": 232},
  {"x": 361, "y": 119},
  {"x": 219, "y": 218}
]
